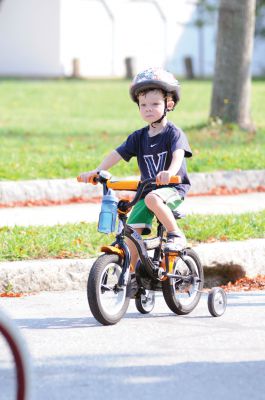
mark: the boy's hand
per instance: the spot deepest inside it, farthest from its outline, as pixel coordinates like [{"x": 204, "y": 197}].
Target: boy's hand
[
  {"x": 163, "y": 178},
  {"x": 88, "y": 177}
]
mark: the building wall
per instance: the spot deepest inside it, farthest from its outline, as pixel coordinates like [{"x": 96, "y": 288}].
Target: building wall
[
  {"x": 103, "y": 36},
  {"x": 41, "y": 38},
  {"x": 29, "y": 38},
  {"x": 87, "y": 34},
  {"x": 258, "y": 61}
]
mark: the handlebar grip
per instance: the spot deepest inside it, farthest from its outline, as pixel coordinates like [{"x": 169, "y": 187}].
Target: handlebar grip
[
  {"x": 94, "y": 181},
  {"x": 175, "y": 179}
]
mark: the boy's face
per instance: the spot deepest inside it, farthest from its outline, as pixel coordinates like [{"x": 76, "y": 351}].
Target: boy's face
[{"x": 151, "y": 105}]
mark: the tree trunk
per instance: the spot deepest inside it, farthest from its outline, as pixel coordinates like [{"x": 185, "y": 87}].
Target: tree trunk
[{"x": 232, "y": 76}]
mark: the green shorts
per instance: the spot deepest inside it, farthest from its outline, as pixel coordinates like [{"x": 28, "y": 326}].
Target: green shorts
[{"x": 142, "y": 217}]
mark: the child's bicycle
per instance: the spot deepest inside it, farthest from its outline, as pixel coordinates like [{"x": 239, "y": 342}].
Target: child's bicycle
[{"x": 179, "y": 275}]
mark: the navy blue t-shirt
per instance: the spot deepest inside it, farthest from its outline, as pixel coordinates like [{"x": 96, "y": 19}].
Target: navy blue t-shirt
[{"x": 154, "y": 154}]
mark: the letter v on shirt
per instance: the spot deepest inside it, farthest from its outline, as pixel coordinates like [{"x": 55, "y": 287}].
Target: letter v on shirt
[{"x": 152, "y": 166}]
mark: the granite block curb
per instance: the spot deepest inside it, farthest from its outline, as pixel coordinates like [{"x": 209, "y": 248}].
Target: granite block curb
[
  {"x": 222, "y": 262},
  {"x": 44, "y": 275},
  {"x": 62, "y": 190}
]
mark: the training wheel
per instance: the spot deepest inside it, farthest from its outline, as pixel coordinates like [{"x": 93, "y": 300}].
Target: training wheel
[
  {"x": 145, "y": 302},
  {"x": 217, "y": 301}
]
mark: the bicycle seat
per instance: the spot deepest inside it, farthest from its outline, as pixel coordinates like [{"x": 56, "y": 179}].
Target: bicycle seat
[{"x": 178, "y": 215}]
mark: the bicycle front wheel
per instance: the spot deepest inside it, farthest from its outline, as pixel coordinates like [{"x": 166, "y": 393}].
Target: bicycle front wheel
[
  {"x": 108, "y": 303},
  {"x": 180, "y": 296},
  {"x": 20, "y": 354}
]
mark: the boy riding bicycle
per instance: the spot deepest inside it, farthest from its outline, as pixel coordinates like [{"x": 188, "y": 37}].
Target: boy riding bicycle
[{"x": 161, "y": 149}]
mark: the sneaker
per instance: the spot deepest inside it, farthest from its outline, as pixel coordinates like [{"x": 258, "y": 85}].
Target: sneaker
[{"x": 175, "y": 242}]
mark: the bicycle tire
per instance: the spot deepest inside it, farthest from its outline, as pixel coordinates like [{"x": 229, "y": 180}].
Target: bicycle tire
[
  {"x": 97, "y": 286},
  {"x": 20, "y": 354},
  {"x": 181, "y": 298},
  {"x": 145, "y": 302},
  {"x": 217, "y": 301}
]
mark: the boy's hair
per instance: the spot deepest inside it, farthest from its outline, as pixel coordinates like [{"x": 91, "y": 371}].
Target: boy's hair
[{"x": 166, "y": 95}]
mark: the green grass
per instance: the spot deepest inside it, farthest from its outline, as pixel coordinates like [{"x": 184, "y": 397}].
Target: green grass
[
  {"x": 56, "y": 129},
  {"x": 83, "y": 240}
]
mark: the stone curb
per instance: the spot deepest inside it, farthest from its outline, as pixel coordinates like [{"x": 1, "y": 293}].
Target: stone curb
[
  {"x": 60, "y": 190},
  {"x": 40, "y": 275},
  {"x": 222, "y": 262}
]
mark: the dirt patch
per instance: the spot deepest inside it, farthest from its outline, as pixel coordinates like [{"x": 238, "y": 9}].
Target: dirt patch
[
  {"x": 222, "y": 274},
  {"x": 246, "y": 284}
]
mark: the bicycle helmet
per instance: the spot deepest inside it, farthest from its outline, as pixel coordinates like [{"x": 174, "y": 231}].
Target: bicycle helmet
[{"x": 155, "y": 78}]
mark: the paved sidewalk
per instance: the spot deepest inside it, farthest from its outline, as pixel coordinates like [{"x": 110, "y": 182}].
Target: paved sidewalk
[{"x": 88, "y": 212}]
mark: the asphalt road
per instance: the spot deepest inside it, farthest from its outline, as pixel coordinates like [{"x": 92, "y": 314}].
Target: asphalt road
[{"x": 157, "y": 356}]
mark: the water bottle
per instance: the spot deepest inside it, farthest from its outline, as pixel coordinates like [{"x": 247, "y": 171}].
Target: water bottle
[{"x": 108, "y": 213}]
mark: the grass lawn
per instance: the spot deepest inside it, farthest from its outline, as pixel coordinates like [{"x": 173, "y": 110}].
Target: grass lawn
[
  {"x": 57, "y": 129},
  {"x": 83, "y": 240}
]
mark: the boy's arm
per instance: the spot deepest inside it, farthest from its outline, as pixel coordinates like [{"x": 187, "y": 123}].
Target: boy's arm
[
  {"x": 112, "y": 159},
  {"x": 108, "y": 162},
  {"x": 163, "y": 177}
]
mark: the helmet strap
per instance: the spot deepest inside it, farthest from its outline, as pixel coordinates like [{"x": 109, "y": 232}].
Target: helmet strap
[{"x": 163, "y": 116}]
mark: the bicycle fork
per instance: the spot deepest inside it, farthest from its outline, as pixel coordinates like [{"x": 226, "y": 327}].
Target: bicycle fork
[
  {"x": 124, "y": 276},
  {"x": 168, "y": 271}
]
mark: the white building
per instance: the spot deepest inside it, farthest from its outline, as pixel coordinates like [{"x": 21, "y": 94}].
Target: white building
[{"x": 41, "y": 38}]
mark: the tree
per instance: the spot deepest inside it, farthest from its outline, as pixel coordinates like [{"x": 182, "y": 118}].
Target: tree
[{"x": 232, "y": 77}]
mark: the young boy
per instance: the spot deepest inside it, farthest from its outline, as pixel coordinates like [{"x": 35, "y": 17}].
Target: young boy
[{"x": 160, "y": 149}]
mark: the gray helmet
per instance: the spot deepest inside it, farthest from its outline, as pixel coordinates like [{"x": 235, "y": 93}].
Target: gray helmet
[{"x": 155, "y": 78}]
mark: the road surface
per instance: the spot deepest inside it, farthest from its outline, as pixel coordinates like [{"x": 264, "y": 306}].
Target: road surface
[{"x": 157, "y": 356}]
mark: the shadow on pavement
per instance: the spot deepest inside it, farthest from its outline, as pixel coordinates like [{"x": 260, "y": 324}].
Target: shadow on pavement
[
  {"x": 56, "y": 323},
  {"x": 127, "y": 376}
]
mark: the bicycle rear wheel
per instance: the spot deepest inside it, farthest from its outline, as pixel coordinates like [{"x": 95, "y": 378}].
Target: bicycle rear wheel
[
  {"x": 183, "y": 297},
  {"x": 108, "y": 304}
]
